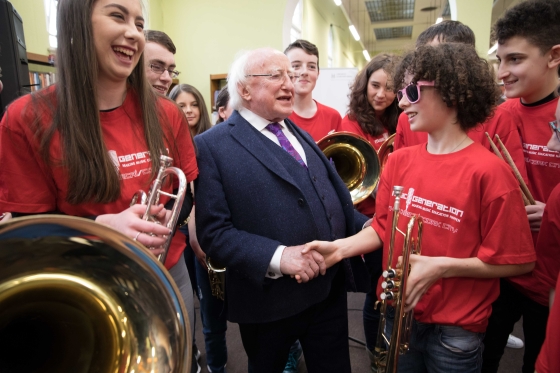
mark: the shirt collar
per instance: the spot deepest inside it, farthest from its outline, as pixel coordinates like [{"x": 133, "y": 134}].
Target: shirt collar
[{"x": 256, "y": 121}]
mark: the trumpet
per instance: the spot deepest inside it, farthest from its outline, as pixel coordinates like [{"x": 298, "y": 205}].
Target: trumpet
[
  {"x": 152, "y": 198},
  {"x": 386, "y": 353}
]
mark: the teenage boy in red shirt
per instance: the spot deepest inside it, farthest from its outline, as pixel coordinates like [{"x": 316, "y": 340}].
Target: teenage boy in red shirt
[
  {"x": 528, "y": 38},
  {"x": 475, "y": 227},
  {"x": 311, "y": 116}
]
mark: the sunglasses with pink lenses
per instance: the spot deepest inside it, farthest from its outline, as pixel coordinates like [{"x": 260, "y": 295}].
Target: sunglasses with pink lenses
[{"x": 412, "y": 91}]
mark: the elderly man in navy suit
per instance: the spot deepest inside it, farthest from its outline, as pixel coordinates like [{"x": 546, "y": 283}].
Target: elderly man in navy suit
[{"x": 264, "y": 190}]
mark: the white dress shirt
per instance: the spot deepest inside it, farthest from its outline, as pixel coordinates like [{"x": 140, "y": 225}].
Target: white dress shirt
[{"x": 260, "y": 124}]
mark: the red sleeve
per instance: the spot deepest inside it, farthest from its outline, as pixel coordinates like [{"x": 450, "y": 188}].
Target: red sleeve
[
  {"x": 337, "y": 122},
  {"x": 25, "y": 184},
  {"x": 507, "y": 125},
  {"x": 349, "y": 125},
  {"x": 383, "y": 198},
  {"x": 399, "y": 141},
  {"x": 548, "y": 243},
  {"x": 506, "y": 236}
]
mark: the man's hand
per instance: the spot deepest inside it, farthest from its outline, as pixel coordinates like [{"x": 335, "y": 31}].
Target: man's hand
[
  {"x": 534, "y": 214},
  {"x": 303, "y": 267}
]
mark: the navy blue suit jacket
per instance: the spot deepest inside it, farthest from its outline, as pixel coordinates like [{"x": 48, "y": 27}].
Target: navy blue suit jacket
[{"x": 247, "y": 204}]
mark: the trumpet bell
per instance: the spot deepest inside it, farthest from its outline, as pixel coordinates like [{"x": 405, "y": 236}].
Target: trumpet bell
[
  {"x": 76, "y": 296},
  {"x": 355, "y": 160}
]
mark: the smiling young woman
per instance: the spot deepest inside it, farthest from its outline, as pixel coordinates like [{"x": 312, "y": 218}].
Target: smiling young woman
[{"x": 90, "y": 137}]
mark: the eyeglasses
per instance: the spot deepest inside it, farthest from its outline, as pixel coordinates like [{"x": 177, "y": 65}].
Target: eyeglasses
[
  {"x": 278, "y": 77},
  {"x": 412, "y": 91},
  {"x": 555, "y": 129},
  {"x": 160, "y": 70}
]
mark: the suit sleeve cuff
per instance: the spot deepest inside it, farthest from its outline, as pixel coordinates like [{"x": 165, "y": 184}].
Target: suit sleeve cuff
[{"x": 273, "y": 270}]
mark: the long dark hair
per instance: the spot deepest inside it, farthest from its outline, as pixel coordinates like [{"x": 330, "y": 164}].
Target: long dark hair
[
  {"x": 204, "y": 121},
  {"x": 75, "y": 114},
  {"x": 360, "y": 109}
]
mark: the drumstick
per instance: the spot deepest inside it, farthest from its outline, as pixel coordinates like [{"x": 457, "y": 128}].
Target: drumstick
[{"x": 526, "y": 194}]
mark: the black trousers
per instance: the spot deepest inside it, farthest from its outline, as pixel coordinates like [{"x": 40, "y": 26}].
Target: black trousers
[
  {"x": 322, "y": 330},
  {"x": 506, "y": 311}
]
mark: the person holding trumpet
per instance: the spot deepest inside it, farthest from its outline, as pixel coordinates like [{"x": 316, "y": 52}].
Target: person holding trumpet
[
  {"x": 474, "y": 224},
  {"x": 86, "y": 144}
]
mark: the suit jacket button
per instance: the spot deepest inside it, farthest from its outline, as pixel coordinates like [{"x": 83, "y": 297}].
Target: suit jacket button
[{"x": 300, "y": 202}]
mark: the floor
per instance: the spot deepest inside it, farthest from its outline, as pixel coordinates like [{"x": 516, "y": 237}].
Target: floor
[{"x": 237, "y": 360}]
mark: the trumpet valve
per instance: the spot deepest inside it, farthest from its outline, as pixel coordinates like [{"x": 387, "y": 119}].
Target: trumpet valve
[
  {"x": 390, "y": 273},
  {"x": 389, "y": 285},
  {"x": 387, "y": 295}
]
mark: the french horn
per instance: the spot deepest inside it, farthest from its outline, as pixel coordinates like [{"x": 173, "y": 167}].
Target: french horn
[
  {"x": 77, "y": 296},
  {"x": 356, "y": 161}
]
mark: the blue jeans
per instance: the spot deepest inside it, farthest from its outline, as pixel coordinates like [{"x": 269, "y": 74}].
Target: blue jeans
[
  {"x": 214, "y": 322},
  {"x": 440, "y": 349}
]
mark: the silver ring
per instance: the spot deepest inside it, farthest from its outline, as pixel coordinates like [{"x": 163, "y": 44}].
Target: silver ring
[{"x": 136, "y": 237}]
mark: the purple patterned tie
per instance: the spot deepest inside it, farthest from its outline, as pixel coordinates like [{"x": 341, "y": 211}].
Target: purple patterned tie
[{"x": 276, "y": 129}]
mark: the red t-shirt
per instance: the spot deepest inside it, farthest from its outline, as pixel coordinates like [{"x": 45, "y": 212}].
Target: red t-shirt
[
  {"x": 503, "y": 123},
  {"x": 472, "y": 207},
  {"x": 326, "y": 119},
  {"x": 548, "y": 244},
  {"x": 543, "y": 171},
  {"x": 367, "y": 206},
  {"x": 29, "y": 185},
  {"x": 549, "y": 358}
]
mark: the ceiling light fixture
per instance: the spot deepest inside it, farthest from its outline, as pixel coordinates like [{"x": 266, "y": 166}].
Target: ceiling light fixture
[
  {"x": 439, "y": 20},
  {"x": 366, "y": 55},
  {"x": 354, "y": 32},
  {"x": 338, "y": 2},
  {"x": 493, "y": 49}
]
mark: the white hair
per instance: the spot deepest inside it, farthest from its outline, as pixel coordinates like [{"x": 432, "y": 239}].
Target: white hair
[
  {"x": 236, "y": 78},
  {"x": 245, "y": 61}
]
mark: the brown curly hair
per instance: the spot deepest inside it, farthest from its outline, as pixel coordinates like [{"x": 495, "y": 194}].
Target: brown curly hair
[
  {"x": 360, "y": 109},
  {"x": 463, "y": 79}
]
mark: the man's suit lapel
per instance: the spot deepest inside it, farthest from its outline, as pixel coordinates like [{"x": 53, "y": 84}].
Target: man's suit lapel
[{"x": 252, "y": 140}]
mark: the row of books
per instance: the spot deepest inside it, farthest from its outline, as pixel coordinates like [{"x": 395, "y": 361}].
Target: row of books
[{"x": 41, "y": 80}]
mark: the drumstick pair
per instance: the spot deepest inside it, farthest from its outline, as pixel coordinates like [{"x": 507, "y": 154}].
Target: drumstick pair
[{"x": 525, "y": 193}]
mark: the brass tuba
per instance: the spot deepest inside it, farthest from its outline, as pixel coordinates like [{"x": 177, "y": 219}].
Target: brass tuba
[
  {"x": 356, "y": 161},
  {"x": 152, "y": 198},
  {"x": 387, "y": 352},
  {"x": 77, "y": 296}
]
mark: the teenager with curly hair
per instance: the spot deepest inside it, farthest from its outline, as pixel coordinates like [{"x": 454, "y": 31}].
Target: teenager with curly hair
[
  {"x": 528, "y": 37},
  {"x": 502, "y": 123},
  {"x": 475, "y": 229}
]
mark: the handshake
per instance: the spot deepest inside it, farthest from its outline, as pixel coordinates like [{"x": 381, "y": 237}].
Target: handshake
[{"x": 305, "y": 262}]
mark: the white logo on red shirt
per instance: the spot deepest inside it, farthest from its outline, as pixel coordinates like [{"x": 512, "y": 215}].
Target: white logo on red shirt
[
  {"x": 433, "y": 207},
  {"x": 132, "y": 160}
]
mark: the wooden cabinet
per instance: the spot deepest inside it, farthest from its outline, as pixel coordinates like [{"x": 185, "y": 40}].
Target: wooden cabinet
[{"x": 217, "y": 81}]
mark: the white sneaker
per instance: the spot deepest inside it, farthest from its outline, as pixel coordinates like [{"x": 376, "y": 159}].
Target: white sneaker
[{"x": 514, "y": 342}]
